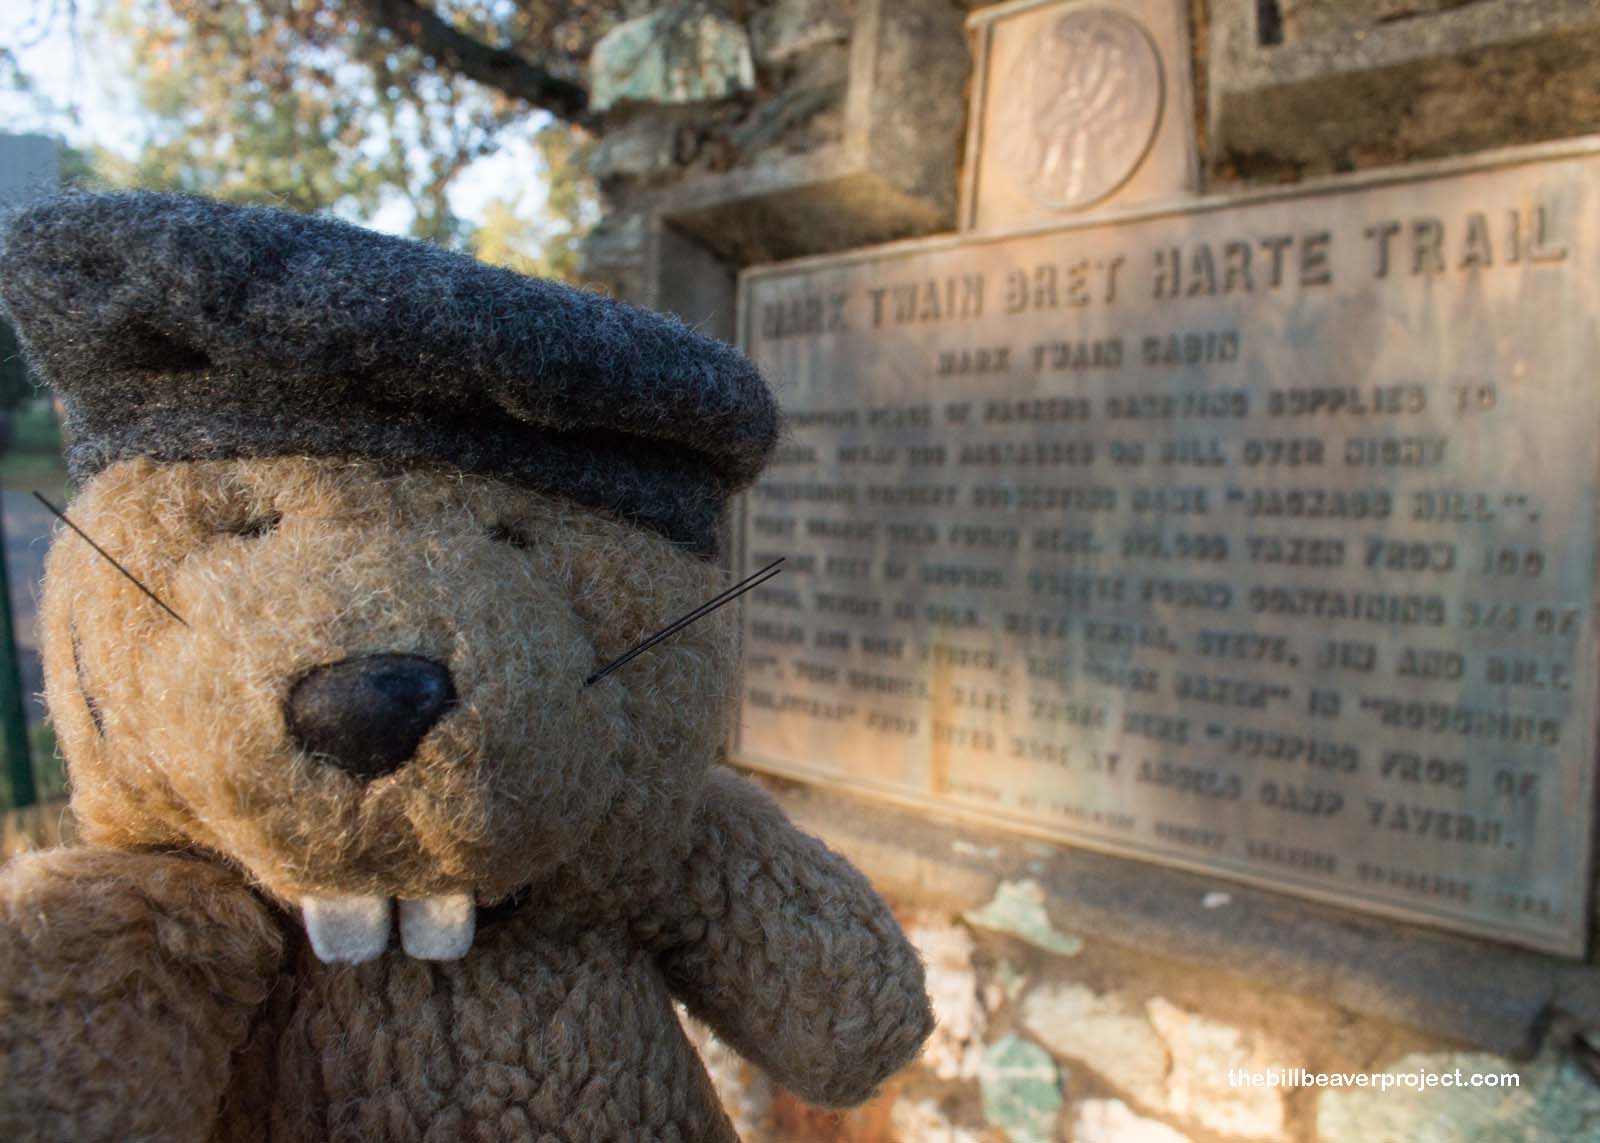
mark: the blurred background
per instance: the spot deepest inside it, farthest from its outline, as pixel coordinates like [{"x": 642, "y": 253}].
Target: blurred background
[{"x": 315, "y": 106}]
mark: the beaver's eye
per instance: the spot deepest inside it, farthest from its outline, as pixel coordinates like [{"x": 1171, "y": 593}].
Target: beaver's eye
[
  {"x": 258, "y": 525},
  {"x": 504, "y": 534}
]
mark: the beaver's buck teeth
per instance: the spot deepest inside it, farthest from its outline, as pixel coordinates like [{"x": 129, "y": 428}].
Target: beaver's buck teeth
[
  {"x": 347, "y": 930},
  {"x": 353, "y": 930},
  {"x": 438, "y": 928}
]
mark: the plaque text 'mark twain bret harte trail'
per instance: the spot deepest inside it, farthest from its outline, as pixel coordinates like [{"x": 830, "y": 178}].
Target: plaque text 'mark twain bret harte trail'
[{"x": 1258, "y": 538}]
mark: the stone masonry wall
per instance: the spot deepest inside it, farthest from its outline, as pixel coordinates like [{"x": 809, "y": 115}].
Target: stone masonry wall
[
  {"x": 1059, "y": 1023},
  {"x": 737, "y": 133},
  {"x": 760, "y": 103},
  {"x": 1047, "y": 1035}
]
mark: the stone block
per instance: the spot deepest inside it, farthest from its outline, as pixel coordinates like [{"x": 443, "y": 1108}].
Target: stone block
[
  {"x": 885, "y": 169},
  {"x": 1106, "y": 1033},
  {"x": 693, "y": 283},
  {"x": 1300, "y": 87},
  {"x": 637, "y": 149},
  {"x": 1112, "y": 1121},
  {"x": 1018, "y": 909},
  {"x": 781, "y": 31},
  {"x": 1021, "y": 1087},
  {"x": 956, "y": 1046},
  {"x": 612, "y": 255},
  {"x": 1203, "y": 1053},
  {"x": 1004, "y": 986},
  {"x": 675, "y": 54}
]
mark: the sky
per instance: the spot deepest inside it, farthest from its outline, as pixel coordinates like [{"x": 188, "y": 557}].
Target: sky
[
  {"x": 81, "y": 80},
  {"x": 84, "y": 81}
]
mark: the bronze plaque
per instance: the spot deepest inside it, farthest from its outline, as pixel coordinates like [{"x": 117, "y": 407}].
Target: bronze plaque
[
  {"x": 1076, "y": 103},
  {"x": 1084, "y": 106},
  {"x": 1257, "y": 537}
]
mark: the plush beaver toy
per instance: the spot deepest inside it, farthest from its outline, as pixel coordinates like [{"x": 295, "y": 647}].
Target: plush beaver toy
[{"x": 365, "y": 858}]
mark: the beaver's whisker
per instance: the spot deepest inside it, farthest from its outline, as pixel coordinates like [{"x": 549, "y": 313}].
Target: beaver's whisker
[
  {"x": 109, "y": 559},
  {"x": 754, "y": 580}
]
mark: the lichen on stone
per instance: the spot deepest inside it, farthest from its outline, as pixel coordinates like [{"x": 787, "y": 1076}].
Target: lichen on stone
[
  {"x": 1021, "y": 1087},
  {"x": 1018, "y": 909}
]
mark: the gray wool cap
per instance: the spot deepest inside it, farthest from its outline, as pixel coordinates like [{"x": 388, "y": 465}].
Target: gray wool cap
[{"x": 180, "y": 328}]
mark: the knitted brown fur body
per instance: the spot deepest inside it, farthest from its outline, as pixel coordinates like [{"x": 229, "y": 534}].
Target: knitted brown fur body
[{"x": 157, "y": 983}]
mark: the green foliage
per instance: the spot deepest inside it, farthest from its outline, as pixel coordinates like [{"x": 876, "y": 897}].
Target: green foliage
[
  {"x": 545, "y": 241},
  {"x": 310, "y": 105},
  {"x": 252, "y": 103},
  {"x": 49, "y": 768},
  {"x": 34, "y": 427},
  {"x": 16, "y": 380},
  {"x": 78, "y": 167}
]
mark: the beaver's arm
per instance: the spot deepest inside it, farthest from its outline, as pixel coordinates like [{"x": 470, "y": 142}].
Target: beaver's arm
[
  {"x": 127, "y": 980},
  {"x": 782, "y": 947}
]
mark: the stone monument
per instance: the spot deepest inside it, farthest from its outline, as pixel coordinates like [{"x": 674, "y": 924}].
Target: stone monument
[
  {"x": 1255, "y": 535},
  {"x": 1189, "y": 515}
]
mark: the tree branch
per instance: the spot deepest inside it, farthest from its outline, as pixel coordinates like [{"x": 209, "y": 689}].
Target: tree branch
[{"x": 499, "y": 68}]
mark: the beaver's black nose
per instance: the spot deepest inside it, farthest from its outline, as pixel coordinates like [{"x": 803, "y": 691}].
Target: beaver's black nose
[{"x": 366, "y": 715}]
